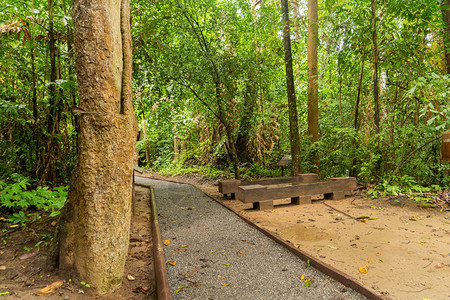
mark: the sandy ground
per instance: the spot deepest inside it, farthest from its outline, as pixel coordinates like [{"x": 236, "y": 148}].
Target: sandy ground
[{"x": 404, "y": 248}]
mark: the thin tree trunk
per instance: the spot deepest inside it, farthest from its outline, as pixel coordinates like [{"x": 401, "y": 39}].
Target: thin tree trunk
[
  {"x": 93, "y": 232},
  {"x": 358, "y": 94},
  {"x": 375, "y": 66},
  {"x": 445, "y": 8},
  {"x": 52, "y": 86},
  {"x": 313, "y": 87},
  {"x": 296, "y": 23},
  {"x": 293, "y": 116}
]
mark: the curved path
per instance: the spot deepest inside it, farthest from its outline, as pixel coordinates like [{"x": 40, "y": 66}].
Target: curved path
[{"x": 216, "y": 255}]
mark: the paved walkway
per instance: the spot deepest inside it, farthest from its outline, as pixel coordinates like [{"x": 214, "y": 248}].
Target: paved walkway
[{"x": 216, "y": 255}]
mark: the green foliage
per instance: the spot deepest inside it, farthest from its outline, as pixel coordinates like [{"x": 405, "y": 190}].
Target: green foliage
[{"x": 16, "y": 198}]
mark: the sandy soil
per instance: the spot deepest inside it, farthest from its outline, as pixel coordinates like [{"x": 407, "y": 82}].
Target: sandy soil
[
  {"x": 404, "y": 248},
  {"x": 24, "y": 267}
]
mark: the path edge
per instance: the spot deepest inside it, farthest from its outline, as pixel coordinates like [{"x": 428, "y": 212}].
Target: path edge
[{"x": 161, "y": 277}]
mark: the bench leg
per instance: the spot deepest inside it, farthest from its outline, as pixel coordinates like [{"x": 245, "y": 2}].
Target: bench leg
[
  {"x": 263, "y": 205},
  {"x": 334, "y": 196},
  {"x": 301, "y": 200}
]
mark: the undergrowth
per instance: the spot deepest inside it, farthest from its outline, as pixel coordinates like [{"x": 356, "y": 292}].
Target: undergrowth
[{"x": 17, "y": 200}]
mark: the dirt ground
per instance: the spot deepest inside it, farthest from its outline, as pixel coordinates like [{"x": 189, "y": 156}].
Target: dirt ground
[
  {"x": 24, "y": 266},
  {"x": 402, "y": 251}
]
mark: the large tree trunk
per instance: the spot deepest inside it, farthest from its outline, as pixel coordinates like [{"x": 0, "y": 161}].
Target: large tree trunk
[
  {"x": 93, "y": 233},
  {"x": 313, "y": 87},
  {"x": 293, "y": 116},
  {"x": 375, "y": 66},
  {"x": 446, "y": 18}
]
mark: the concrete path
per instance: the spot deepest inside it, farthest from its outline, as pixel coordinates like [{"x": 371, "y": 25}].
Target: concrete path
[{"x": 213, "y": 254}]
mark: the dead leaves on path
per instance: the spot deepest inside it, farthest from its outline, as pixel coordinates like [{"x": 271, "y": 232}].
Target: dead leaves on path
[
  {"x": 365, "y": 268},
  {"x": 50, "y": 289}
]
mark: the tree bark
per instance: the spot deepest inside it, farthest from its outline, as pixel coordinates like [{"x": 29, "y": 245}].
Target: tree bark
[
  {"x": 445, "y": 8},
  {"x": 93, "y": 232},
  {"x": 313, "y": 87},
  {"x": 375, "y": 66},
  {"x": 358, "y": 94},
  {"x": 292, "y": 104}
]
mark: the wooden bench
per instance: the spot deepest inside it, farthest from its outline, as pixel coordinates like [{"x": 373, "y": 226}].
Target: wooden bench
[
  {"x": 262, "y": 196},
  {"x": 230, "y": 187}
]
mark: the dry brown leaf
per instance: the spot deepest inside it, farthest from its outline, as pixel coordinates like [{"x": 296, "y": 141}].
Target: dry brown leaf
[
  {"x": 28, "y": 255},
  {"x": 50, "y": 289},
  {"x": 130, "y": 277},
  {"x": 172, "y": 262}
]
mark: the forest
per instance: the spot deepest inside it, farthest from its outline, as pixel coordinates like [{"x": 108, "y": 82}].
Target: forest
[
  {"x": 91, "y": 91},
  {"x": 368, "y": 93}
]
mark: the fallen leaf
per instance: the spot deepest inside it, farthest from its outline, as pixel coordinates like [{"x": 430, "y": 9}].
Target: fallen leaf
[
  {"x": 439, "y": 265},
  {"x": 363, "y": 269},
  {"x": 28, "y": 255},
  {"x": 172, "y": 263},
  {"x": 130, "y": 277},
  {"x": 225, "y": 284},
  {"x": 308, "y": 282},
  {"x": 378, "y": 254},
  {"x": 166, "y": 242},
  {"x": 243, "y": 240},
  {"x": 184, "y": 246},
  {"x": 219, "y": 276},
  {"x": 302, "y": 277},
  {"x": 4, "y": 293},
  {"x": 271, "y": 211},
  {"x": 53, "y": 223},
  {"x": 13, "y": 226},
  {"x": 2, "y": 268},
  {"x": 50, "y": 289},
  {"x": 226, "y": 264},
  {"x": 241, "y": 252},
  {"x": 141, "y": 289},
  {"x": 179, "y": 289},
  {"x": 373, "y": 206},
  {"x": 211, "y": 252},
  {"x": 329, "y": 246}
]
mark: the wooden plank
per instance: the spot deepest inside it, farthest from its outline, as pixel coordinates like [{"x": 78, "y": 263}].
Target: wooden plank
[
  {"x": 231, "y": 186},
  {"x": 256, "y": 193},
  {"x": 252, "y": 192}
]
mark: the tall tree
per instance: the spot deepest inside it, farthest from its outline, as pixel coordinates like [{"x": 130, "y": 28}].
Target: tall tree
[
  {"x": 292, "y": 104},
  {"x": 375, "y": 65},
  {"x": 313, "y": 87},
  {"x": 93, "y": 233},
  {"x": 445, "y": 8}
]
